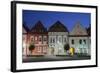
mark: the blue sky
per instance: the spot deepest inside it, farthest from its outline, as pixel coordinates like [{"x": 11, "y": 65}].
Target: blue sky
[{"x": 48, "y": 18}]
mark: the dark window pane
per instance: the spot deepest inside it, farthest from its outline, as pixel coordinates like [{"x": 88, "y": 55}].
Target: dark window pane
[
  {"x": 40, "y": 39},
  {"x": 51, "y": 40},
  {"x": 45, "y": 39},
  {"x": 65, "y": 40},
  {"x": 72, "y": 41},
  {"x": 84, "y": 41},
  {"x": 80, "y": 41}
]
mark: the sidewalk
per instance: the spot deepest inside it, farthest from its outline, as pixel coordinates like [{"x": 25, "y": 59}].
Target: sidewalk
[{"x": 54, "y": 58}]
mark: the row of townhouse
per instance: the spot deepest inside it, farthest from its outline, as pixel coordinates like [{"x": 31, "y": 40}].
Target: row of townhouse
[{"x": 52, "y": 42}]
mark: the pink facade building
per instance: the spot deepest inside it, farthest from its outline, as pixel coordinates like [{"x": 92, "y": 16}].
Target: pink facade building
[{"x": 38, "y": 36}]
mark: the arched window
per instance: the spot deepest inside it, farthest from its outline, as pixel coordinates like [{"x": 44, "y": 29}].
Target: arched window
[
  {"x": 80, "y": 41},
  {"x": 84, "y": 41},
  {"x": 72, "y": 41}
]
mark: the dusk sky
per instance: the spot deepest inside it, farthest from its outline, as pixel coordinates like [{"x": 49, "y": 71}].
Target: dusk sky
[{"x": 48, "y": 18}]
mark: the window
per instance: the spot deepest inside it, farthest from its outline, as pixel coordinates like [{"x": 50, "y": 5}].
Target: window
[
  {"x": 80, "y": 50},
  {"x": 44, "y": 49},
  {"x": 36, "y": 38},
  {"x": 80, "y": 41},
  {"x": 65, "y": 40},
  {"x": 39, "y": 49},
  {"x": 45, "y": 38},
  {"x": 84, "y": 41},
  {"x": 53, "y": 40},
  {"x": 32, "y": 39},
  {"x": 59, "y": 39},
  {"x": 40, "y": 38},
  {"x": 72, "y": 41}
]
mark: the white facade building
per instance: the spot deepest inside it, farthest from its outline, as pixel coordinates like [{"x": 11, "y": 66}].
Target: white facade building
[
  {"x": 57, "y": 38},
  {"x": 80, "y": 40}
]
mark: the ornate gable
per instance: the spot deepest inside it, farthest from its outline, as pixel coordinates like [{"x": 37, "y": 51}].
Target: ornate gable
[{"x": 78, "y": 30}]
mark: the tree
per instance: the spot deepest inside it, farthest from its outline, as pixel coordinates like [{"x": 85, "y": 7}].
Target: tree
[
  {"x": 31, "y": 47},
  {"x": 66, "y": 47}
]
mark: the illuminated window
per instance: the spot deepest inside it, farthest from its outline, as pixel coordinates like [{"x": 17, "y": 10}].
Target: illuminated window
[
  {"x": 45, "y": 38},
  {"x": 39, "y": 49},
  {"x": 32, "y": 39},
  {"x": 44, "y": 49},
  {"x": 36, "y": 38},
  {"x": 40, "y": 38}
]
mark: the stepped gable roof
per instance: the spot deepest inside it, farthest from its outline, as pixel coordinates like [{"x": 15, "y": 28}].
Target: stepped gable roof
[
  {"x": 25, "y": 29},
  {"x": 39, "y": 28},
  {"x": 89, "y": 31},
  {"x": 58, "y": 27},
  {"x": 78, "y": 30}
]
